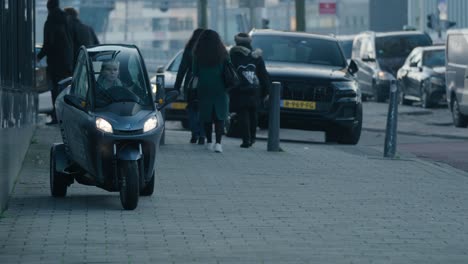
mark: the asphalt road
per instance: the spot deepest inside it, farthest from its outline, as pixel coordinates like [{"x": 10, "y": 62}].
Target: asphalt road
[{"x": 425, "y": 133}]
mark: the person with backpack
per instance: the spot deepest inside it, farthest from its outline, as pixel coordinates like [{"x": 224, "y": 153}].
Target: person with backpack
[
  {"x": 184, "y": 74},
  {"x": 253, "y": 88}
]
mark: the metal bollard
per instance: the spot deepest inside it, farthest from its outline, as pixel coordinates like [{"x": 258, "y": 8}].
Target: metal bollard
[
  {"x": 274, "y": 118},
  {"x": 392, "y": 120},
  {"x": 163, "y": 136}
]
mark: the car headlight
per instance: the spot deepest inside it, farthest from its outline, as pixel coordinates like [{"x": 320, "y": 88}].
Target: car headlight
[
  {"x": 150, "y": 124},
  {"x": 154, "y": 88},
  {"x": 383, "y": 75},
  {"x": 103, "y": 125},
  {"x": 346, "y": 89},
  {"x": 438, "y": 81}
]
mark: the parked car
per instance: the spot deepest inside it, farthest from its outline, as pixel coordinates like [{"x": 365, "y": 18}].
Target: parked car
[
  {"x": 422, "y": 77},
  {"x": 346, "y": 42},
  {"x": 176, "y": 110},
  {"x": 380, "y": 55},
  {"x": 457, "y": 75},
  {"x": 318, "y": 88},
  {"x": 110, "y": 125},
  {"x": 42, "y": 84}
]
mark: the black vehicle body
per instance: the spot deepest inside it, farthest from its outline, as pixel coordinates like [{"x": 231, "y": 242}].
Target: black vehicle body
[
  {"x": 110, "y": 135},
  {"x": 457, "y": 75},
  {"x": 380, "y": 55},
  {"x": 318, "y": 90},
  {"x": 422, "y": 77},
  {"x": 176, "y": 110}
]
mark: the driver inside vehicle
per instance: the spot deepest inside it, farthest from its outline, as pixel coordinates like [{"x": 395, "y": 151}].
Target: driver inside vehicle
[{"x": 109, "y": 75}]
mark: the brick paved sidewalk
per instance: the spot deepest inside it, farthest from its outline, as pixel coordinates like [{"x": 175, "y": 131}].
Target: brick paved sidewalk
[{"x": 309, "y": 204}]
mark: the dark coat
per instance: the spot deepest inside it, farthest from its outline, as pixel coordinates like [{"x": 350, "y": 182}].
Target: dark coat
[
  {"x": 241, "y": 55},
  {"x": 81, "y": 35},
  {"x": 184, "y": 74},
  {"x": 57, "y": 46},
  {"x": 211, "y": 92}
]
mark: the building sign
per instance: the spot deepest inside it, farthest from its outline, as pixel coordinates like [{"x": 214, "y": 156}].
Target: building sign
[{"x": 327, "y": 8}]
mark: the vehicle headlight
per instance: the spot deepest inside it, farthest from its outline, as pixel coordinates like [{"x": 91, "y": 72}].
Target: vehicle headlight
[
  {"x": 154, "y": 88},
  {"x": 438, "y": 81},
  {"x": 346, "y": 89},
  {"x": 150, "y": 124},
  {"x": 383, "y": 75},
  {"x": 103, "y": 125}
]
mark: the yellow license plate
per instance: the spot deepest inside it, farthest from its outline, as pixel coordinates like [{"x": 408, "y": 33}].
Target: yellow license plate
[
  {"x": 178, "y": 105},
  {"x": 308, "y": 105}
]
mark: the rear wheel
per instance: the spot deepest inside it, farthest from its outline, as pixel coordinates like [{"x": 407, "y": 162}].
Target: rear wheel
[
  {"x": 425, "y": 102},
  {"x": 459, "y": 120},
  {"x": 379, "y": 96},
  {"x": 58, "y": 184},
  {"x": 129, "y": 186},
  {"x": 149, "y": 187}
]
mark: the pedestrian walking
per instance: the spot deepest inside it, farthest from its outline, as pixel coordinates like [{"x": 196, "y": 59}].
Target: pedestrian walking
[
  {"x": 81, "y": 34},
  {"x": 253, "y": 89},
  {"x": 184, "y": 74},
  {"x": 58, "y": 48},
  {"x": 210, "y": 56}
]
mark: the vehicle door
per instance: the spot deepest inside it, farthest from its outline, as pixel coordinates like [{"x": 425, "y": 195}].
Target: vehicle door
[
  {"x": 369, "y": 65},
  {"x": 76, "y": 118},
  {"x": 356, "y": 56},
  {"x": 413, "y": 79},
  {"x": 457, "y": 68}
]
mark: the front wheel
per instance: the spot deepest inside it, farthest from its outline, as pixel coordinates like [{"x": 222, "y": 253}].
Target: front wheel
[
  {"x": 129, "y": 186},
  {"x": 58, "y": 184},
  {"x": 425, "y": 101},
  {"x": 352, "y": 135},
  {"x": 459, "y": 120}
]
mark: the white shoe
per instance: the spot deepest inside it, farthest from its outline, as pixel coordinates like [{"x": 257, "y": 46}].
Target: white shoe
[
  {"x": 218, "y": 148},
  {"x": 210, "y": 146}
]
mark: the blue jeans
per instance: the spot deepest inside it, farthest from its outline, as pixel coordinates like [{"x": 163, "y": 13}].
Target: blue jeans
[{"x": 194, "y": 122}]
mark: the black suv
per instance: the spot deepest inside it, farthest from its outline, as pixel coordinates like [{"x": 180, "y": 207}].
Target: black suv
[
  {"x": 380, "y": 55},
  {"x": 318, "y": 86}
]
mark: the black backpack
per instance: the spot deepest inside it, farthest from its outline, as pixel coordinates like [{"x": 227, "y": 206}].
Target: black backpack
[{"x": 248, "y": 76}]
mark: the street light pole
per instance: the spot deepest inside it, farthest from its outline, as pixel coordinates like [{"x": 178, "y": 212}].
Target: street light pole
[{"x": 202, "y": 14}]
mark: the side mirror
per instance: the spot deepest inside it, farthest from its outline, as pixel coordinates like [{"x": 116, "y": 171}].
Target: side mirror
[
  {"x": 75, "y": 102},
  {"x": 62, "y": 84},
  {"x": 368, "y": 58},
  {"x": 160, "y": 69},
  {"x": 170, "y": 97},
  {"x": 352, "y": 67}
]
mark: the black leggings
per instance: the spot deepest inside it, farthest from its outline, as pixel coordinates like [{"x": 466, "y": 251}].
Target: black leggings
[{"x": 219, "y": 128}]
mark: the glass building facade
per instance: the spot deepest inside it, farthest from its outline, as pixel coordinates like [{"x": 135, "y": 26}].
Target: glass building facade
[{"x": 18, "y": 100}]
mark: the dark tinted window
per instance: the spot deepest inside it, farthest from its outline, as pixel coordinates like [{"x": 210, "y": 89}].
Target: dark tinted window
[
  {"x": 175, "y": 63},
  {"x": 434, "y": 58},
  {"x": 399, "y": 46},
  {"x": 300, "y": 50},
  {"x": 457, "y": 47},
  {"x": 347, "y": 46}
]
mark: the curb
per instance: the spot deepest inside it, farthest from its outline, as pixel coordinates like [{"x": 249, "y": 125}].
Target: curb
[{"x": 418, "y": 134}]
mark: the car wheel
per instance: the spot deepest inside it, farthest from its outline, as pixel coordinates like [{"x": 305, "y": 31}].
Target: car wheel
[
  {"x": 352, "y": 135},
  {"x": 231, "y": 126},
  {"x": 459, "y": 120},
  {"x": 58, "y": 183},
  {"x": 425, "y": 103},
  {"x": 149, "y": 187},
  {"x": 263, "y": 122},
  {"x": 378, "y": 94},
  {"x": 129, "y": 186},
  {"x": 185, "y": 124}
]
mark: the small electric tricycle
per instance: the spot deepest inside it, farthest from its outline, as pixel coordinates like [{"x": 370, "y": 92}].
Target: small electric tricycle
[{"x": 111, "y": 125}]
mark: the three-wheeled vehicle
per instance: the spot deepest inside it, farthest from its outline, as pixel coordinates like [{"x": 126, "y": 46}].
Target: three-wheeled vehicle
[{"x": 110, "y": 123}]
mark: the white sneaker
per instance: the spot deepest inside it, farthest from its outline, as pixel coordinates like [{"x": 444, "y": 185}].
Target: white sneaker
[
  {"x": 218, "y": 148},
  {"x": 210, "y": 146}
]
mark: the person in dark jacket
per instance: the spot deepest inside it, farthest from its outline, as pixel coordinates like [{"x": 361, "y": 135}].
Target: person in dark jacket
[
  {"x": 185, "y": 74},
  {"x": 254, "y": 87},
  {"x": 58, "y": 48},
  {"x": 81, "y": 34},
  {"x": 209, "y": 59}
]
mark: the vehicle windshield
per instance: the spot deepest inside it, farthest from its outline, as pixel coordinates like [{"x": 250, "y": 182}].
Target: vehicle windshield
[
  {"x": 300, "y": 50},
  {"x": 434, "y": 58},
  {"x": 399, "y": 46},
  {"x": 119, "y": 77},
  {"x": 347, "y": 46}
]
